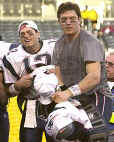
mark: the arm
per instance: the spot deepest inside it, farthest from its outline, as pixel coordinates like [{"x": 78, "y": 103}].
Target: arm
[
  {"x": 58, "y": 74},
  {"x": 23, "y": 83},
  {"x": 92, "y": 78}
]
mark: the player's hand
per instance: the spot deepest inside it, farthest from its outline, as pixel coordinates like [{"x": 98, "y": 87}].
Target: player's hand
[
  {"x": 61, "y": 96},
  {"x": 24, "y": 82}
]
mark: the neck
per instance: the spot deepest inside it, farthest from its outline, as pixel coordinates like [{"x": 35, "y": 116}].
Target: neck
[
  {"x": 71, "y": 37},
  {"x": 33, "y": 49}
]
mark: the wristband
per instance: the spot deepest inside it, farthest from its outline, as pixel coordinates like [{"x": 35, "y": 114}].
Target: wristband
[
  {"x": 12, "y": 90},
  {"x": 75, "y": 89},
  {"x": 61, "y": 87}
]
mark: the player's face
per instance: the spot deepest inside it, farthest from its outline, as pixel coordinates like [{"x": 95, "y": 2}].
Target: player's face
[
  {"x": 110, "y": 67},
  {"x": 69, "y": 22},
  {"x": 29, "y": 37}
]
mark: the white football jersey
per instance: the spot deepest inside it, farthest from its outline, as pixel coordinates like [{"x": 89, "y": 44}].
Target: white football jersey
[
  {"x": 23, "y": 62},
  {"x": 64, "y": 114},
  {"x": 4, "y": 48}
]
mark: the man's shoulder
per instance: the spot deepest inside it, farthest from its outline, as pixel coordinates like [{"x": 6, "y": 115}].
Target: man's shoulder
[
  {"x": 15, "y": 52},
  {"x": 60, "y": 41},
  {"x": 87, "y": 36},
  {"x": 4, "y": 48},
  {"x": 4, "y": 45},
  {"x": 14, "y": 45},
  {"x": 49, "y": 41},
  {"x": 15, "y": 48},
  {"x": 48, "y": 46}
]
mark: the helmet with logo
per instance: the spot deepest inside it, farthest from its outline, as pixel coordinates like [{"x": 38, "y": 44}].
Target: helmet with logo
[
  {"x": 45, "y": 83},
  {"x": 65, "y": 122}
]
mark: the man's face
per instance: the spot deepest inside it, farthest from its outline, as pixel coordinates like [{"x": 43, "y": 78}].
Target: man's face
[
  {"x": 110, "y": 67},
  {"x": 29, "y": 37},
  {"x": 69, "y": 22}
]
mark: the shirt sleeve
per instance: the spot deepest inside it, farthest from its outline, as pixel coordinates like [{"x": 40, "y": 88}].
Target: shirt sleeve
[
  {"x": 8, "y": 77},
  {"x": 93, "y": 49}
]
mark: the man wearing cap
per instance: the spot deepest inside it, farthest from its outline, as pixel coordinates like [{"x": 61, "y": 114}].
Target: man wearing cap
[{"x": 19, "y": 63}]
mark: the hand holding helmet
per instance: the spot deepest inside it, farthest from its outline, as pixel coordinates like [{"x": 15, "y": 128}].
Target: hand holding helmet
[
  {"x": 45, "y": 84},
  {"x": 68, "y": 122}
]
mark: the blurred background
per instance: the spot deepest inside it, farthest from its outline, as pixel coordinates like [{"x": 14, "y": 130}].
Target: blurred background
[
  {"x": 96, "y": 14},
  {"x": 97, "y": 17}
]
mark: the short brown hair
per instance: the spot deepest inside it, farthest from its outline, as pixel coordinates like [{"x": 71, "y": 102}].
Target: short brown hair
[{"x": 68, "y": 6}]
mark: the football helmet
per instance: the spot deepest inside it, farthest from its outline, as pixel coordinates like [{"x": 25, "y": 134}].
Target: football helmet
[
  {"x": 44, "y": 83},
  {"x": 67, "y": 122}
]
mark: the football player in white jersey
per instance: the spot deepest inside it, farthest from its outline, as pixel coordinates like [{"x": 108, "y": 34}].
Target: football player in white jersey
[
  {"x": 4, "y": 121},
  {"x": 18, "y": 66}
]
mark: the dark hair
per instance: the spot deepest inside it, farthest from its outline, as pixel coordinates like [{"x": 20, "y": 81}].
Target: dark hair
[
  {"x": 0, "y": 38},
  {"x": 68, "y": 6}
]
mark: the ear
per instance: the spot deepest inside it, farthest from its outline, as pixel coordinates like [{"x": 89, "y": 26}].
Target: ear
[
  {"x": 38, "y": 34},
  {"x": 80, "y": 21},
  {"x": 59, "y": 20}
]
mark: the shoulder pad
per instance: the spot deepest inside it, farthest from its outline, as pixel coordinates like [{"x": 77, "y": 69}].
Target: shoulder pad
[
  {"x": 13, "y": 45},
  {"x": 49, "y": 41}
]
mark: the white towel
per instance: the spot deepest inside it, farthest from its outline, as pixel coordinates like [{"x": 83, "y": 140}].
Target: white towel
[{"x": 30, "y": 118}]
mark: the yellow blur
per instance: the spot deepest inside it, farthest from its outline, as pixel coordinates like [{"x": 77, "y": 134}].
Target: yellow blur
[
  {"x": 91, "y": 15},
  {"x": 112, "y": 118},
  {"x": 15, "y": 119}
]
